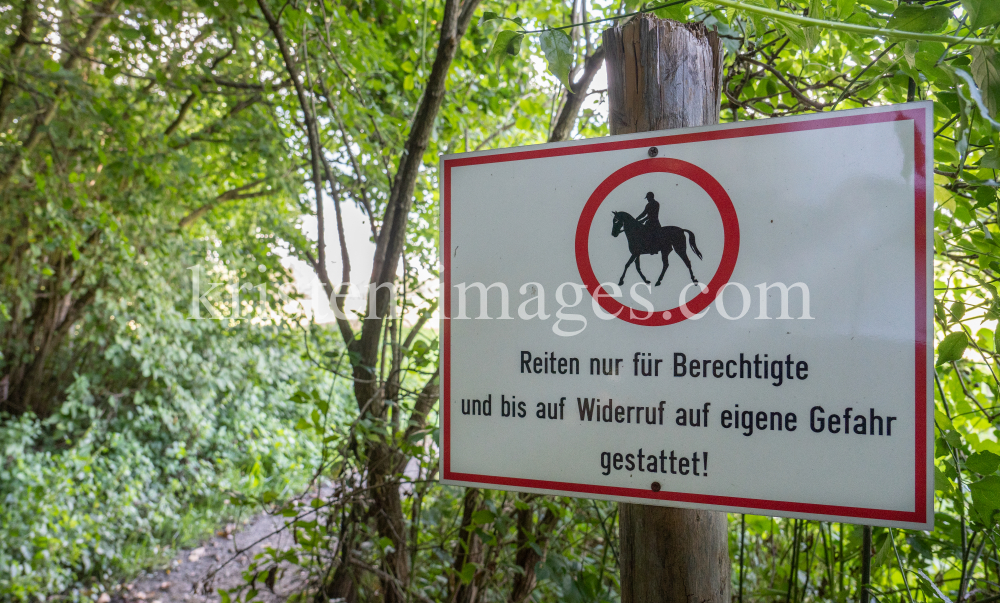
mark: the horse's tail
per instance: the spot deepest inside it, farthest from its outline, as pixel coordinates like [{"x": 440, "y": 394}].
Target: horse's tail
[{"x": 693, "y": 245}]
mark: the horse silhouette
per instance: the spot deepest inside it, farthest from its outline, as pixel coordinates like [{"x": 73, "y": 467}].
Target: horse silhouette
[{"x": 643, "y": 240}]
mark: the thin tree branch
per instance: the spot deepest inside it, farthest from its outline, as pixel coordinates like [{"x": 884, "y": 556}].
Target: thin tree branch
[
  {"x": 313, "y": 136},
  {"x": 392, "y": 235},
  {"x": 346, "y": 332},
  {"x": 230, "y": 195},
  {"x": 791, "y": 88},
  {"x": 425, "y": 402},
  {"x": 421, "y": 321},
  {"x": 350, "y": 155},
  {"x": 181, "y": 114},
  {"x": 570, "y": 110},
  {"x": 204, "y": 134}
]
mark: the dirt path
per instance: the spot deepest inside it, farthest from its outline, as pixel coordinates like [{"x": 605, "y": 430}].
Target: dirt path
[{"x": 184, "y": 580}]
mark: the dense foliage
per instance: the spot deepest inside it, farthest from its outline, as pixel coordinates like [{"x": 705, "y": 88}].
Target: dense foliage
[
  {"x": 146, "y": 146},
  {"x": 122, "y": 422}
]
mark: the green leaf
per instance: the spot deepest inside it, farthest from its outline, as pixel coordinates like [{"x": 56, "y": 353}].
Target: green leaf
[
  {"x": 514, "y": 46},
  {"x": 764, "y": 108},
  {"x": 982, "y": 13},
  {"x": 910, "y": 49},
  {"x": 483, "y": 516},
  {"x": 883, "y": 6},
  {"x": 816, "y": 10},
  {"x": 795, "y": 34},
  {"x": 882, "y": 551},
  {"x": 677, "y": 12},
  {"x": 985, "y": 195},
  {"x": 845, "y": 8},
  {"x": 489, "y": 16},
  {"x": 986, "y": 72},
  {"x": 990, "y": 287},
  {"x": 952, "y": 347},
  {"x": 911, "y": 17},
  {"x": 468, "y": 573},
  {"x": 991, "y": 160},
  {"x": 993, "y": 313},
  {"x": 812, "y": 37},
  {"x": 958, "y": 310},
  {"x": 507, "y": 43},
  {"x": 932, "y": 586},
  {"x": 986, "y": 498},
  {"x": 941, "y": 482},
  {"x": 975, "y": 96},
  {"x": 52, "y": 66},
  {"x": 984, "y": 462},
  {"x": 558, "y": 49}
]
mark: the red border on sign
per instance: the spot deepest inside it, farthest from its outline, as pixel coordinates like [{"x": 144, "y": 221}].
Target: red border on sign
[
  {"x": 730, "y": 249},
  {"x": 917, "y": 115}
]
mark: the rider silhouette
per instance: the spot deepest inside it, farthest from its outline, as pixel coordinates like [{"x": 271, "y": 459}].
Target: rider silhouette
[{"x": 650, "y": 216}]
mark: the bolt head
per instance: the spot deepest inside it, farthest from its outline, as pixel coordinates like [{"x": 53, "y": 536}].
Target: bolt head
[
  {"x": 653, "y": 151},
  {"x": 655, "y": 487}
]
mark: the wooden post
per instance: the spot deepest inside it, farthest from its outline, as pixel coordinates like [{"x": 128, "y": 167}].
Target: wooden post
[{"x": 663, "y": 74}]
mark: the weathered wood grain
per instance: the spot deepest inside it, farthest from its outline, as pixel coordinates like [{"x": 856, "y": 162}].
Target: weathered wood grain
[
  {"x": 661, "y": 75},
  {"x": 673, "y": 555}
]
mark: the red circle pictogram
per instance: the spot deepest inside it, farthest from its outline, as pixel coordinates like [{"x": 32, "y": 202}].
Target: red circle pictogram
[{"x": 731, "y": 247}]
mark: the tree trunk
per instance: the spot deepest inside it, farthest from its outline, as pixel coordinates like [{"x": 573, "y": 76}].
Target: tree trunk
[{"x": 661, "y": 75}]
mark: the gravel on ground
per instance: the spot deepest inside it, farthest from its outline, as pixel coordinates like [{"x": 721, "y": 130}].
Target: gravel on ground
[{"x": 186, "y": 579}]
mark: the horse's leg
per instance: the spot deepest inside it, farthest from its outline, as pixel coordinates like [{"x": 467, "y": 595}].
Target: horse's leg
[
  {"x": 639, "y": 270},
  {"x": 664, "y": 255},
  {"x": 681, "y": 251},
  {"x": 634, "y": 258}
]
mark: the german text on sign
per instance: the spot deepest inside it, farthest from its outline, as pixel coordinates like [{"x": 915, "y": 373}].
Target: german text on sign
[{"x": 737, "y": 320}]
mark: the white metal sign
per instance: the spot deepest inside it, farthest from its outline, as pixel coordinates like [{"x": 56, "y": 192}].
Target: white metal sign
[{"x": 733, "y": 317}]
